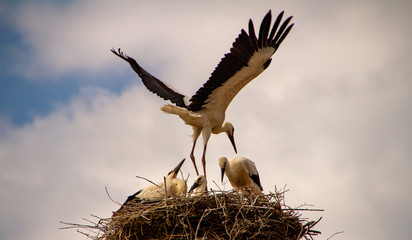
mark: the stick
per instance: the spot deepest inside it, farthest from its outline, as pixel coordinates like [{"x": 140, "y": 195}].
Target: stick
[
  {"x": 335, "y": 234},
  {"x": 149, "y": 181},
  {"x": 107, "y": 192}
]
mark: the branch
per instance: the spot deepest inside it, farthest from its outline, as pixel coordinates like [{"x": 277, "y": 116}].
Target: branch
[
  {"x": 149, "y": 181},
  {"x": 107, "y": 192},
  {"x": 336, "y": 233}
]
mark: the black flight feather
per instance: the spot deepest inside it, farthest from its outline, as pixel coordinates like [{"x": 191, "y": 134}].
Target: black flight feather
[
  {"x": 152, "y": 83},
  {"x": 242, "y": 50},
  {"x": 264, "y": 30},
  {"x": 256, "y": 180}
]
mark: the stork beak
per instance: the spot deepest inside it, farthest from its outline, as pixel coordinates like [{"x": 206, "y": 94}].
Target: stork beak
[
  {"x": 232, "y": 140},
  {"x": 177, "y": 168},
  {"x": 223, "y": 172},
  {"x": 194, "y": 186}
]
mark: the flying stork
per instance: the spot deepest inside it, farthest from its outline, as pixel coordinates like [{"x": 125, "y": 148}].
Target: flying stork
[
  {"x": 174, "y": 187},
  {"x": 249, "y": 56},
  {"x": 242, "y": 174}
]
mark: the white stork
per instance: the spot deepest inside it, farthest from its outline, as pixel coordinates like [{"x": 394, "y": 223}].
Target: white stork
[
  {"x": 249, "y": 56},
  {"x": 242, "y": 174},
  {"x": 174, "y": 187},
  {"x": 200, "y": 185}
]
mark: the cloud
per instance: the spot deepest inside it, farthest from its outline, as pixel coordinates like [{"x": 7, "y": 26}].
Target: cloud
[
  {"x": 330, "y": 117},
  {"x": 58, "y": 166},
  {"x": 65, "y": 38}
]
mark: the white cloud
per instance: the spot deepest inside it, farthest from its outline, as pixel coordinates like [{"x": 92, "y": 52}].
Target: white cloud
[
  {"x": 330, "y": 117},
  {"x": 77, "y": 37},
  {"x": 58, "y": 166}
]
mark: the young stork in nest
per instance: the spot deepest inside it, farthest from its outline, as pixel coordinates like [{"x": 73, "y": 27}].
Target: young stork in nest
[
  {"x": 242, "y": 174},
  {"x": 205, "y": 111},
  {"x": 174, "y": 187},
  {"x": 199, "y": 186}
]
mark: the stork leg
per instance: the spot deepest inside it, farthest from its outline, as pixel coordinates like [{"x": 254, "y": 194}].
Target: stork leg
[
  {"x": 204, "y": 163},
  {"x": 206, "y": 132},
  {"x": 193, "y": 157},
  {"x": 204, "y": 159},
  {"x": 196, "y": 134}
]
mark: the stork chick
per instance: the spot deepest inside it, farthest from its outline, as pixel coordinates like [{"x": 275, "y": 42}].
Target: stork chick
[
  {"x": 200, "y": 185},
  {"x": 174, "y": 187},
  {"x": 242, "y": 174}
]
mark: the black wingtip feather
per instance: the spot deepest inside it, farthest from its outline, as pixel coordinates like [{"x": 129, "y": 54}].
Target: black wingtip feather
[
  {"x": 275, "y": 26},
  {"x": 120, "y": 54},
  {"x": 281, "y": 30},
  {"x": 285, "y": 34},
  {"x": 252, "y": 35},
  {"x": 264, "y": 29}
]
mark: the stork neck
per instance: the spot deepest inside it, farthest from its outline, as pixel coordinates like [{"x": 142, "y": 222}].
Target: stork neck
[
  {"x": 223, "y": 128},
  {"x": 201, "y": 188},
  {"x": 228, "y": 170}
]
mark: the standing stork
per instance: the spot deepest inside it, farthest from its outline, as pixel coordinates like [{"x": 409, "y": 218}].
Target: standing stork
[
  {"x": 205, "y": 111},
  {"x": 242, "y": 174}
]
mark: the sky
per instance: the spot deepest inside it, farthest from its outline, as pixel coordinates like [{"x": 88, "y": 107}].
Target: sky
[{"x": 329, "y": 120}]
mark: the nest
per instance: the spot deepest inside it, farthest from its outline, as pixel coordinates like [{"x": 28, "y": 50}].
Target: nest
[{"x": 218, "y": 215}]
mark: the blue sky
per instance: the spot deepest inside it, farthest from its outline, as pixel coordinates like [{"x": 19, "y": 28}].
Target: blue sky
[
  {"x": 329, "y": 119},
  {"x": 25, "y": 96},
  {"x": 23, "y": 99}
]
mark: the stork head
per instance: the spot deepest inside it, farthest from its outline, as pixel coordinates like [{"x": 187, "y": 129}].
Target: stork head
[
  {"x": 223, "y": 164},
  {"x": 230, "y": 131},
  {"x": 174, "y": 172},
  {"x": 200, "y": 184}
]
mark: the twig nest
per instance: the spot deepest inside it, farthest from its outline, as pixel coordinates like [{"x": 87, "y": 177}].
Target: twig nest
[{"x": 218, "y": 215}]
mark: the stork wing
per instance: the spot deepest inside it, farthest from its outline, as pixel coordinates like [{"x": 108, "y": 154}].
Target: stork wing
[
  {"x": 248, "y": 57},
  {"x": 131, "y": 198},
  {"x": 253, "y": 173},
  {"x": 256, "y": 180},
  {"x": 153, "y": 84}
]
